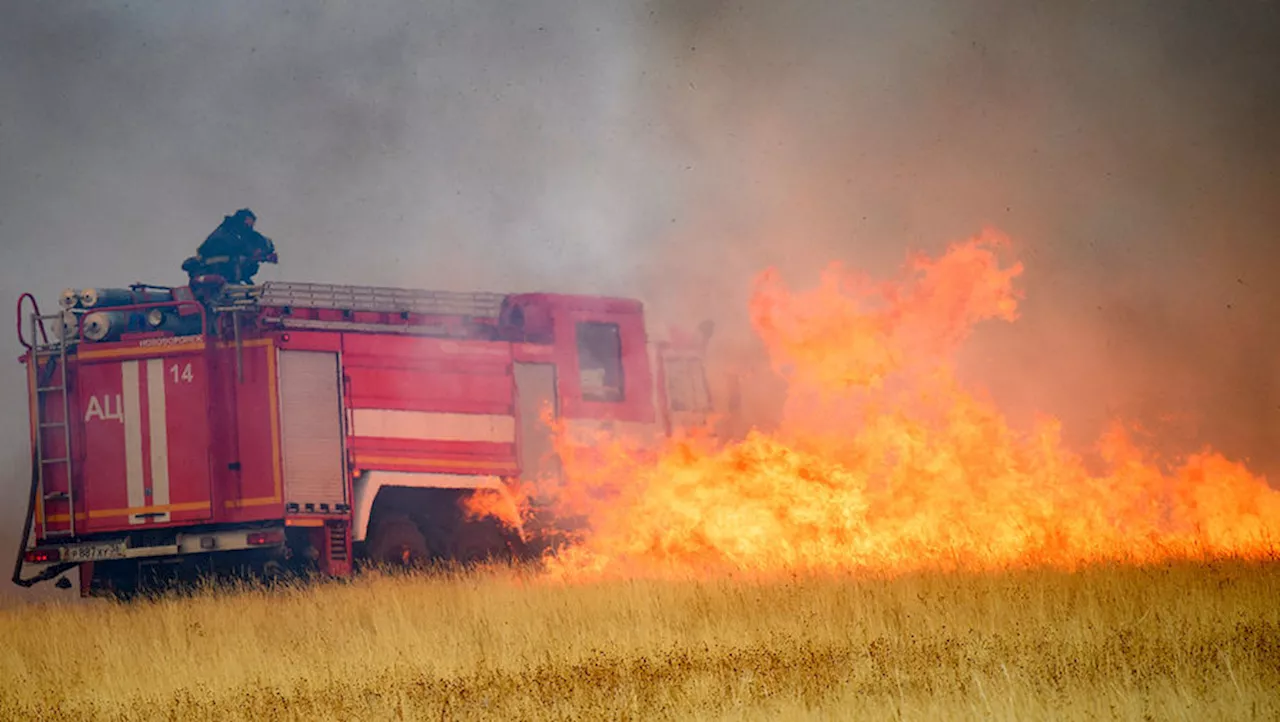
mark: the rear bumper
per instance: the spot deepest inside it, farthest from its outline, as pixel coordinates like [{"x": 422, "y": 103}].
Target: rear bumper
[{"x": 122, "y": 547}]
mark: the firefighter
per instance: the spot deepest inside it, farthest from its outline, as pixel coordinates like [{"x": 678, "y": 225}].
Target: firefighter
[{"x": 233, "y": 251}]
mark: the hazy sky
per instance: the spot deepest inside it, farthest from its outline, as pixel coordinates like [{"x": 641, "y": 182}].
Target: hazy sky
[{"x": 672, "y": 149}]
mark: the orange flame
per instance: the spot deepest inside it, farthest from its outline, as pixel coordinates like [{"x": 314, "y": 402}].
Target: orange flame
[
  {"x": 506, "y": 504},
  {"x": 884, "y": 461}
]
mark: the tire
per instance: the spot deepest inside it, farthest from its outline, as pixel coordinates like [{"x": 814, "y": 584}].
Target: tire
[
  {"x": 484, "y": 540},
  {"x": 397, "y": 541}
]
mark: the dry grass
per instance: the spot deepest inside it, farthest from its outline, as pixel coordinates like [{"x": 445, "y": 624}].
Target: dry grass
[{"x": 1191, "y": 642}]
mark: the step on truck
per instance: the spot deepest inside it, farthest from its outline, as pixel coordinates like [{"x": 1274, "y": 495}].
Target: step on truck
[{"x": 178, "y": 432}]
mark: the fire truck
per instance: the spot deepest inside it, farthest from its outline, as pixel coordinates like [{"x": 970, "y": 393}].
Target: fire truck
[{"x": 280, "y": 427}]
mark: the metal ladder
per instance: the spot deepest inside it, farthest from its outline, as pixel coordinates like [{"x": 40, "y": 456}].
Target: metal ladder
[
  {"x": 367, "y": 298},
  {"x": 47, "y": 393}
]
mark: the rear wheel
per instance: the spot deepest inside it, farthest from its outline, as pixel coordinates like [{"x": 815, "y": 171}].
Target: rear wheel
[
  {"x": 431, "y": 524},
  {"x": 396, "y": 540}
]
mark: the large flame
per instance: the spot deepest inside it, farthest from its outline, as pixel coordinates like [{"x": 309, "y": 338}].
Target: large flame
[{"x": 884, "y": 461}]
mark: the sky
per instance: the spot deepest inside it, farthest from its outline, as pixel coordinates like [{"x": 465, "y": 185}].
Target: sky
[{"x": 671, "y": 150}]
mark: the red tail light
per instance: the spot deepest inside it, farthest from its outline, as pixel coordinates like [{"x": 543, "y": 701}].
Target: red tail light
[
  {"x": 262, "y": 538},
  {"x": 42, "y": 556}
]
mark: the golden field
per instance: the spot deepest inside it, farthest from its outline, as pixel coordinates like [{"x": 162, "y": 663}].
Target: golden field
[{"x": 1179, "y": 641}]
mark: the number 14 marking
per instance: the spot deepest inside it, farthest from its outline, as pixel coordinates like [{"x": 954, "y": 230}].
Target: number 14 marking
[{"x": 183, "y": 375}]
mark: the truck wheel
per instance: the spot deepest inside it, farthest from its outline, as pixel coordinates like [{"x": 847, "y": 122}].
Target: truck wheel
[
  {"x": 485, "y": 540},
  {"x": 273, "y": 571},
  {"x": 396, "y": 540}
]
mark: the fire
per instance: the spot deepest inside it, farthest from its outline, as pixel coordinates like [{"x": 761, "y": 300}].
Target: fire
[
  {"x": 504, "y": 503},
  {"x": 885, "y": 461}
]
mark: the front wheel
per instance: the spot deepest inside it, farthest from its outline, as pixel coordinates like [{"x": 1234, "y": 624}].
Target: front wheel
[{"x": 485, "y": 540}]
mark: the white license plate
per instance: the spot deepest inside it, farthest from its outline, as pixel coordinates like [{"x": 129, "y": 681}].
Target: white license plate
[{"x": 94, "y": 551}]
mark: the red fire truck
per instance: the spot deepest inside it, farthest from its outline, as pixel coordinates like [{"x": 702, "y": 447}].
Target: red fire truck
[{"x": 282, "y": 426}]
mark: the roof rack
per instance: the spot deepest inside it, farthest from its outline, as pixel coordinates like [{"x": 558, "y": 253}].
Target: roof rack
[{"x": 367, "y": 298}]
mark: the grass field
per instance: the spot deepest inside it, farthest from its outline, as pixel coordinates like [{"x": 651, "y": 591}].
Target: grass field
[{"x": 1180, "y": 641}]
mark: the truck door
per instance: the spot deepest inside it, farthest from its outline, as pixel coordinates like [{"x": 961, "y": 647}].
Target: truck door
[
  {"x": 145, "y": 457},
  {"x": 535, "y": 394},
  {"x": 688, "y": 399}
]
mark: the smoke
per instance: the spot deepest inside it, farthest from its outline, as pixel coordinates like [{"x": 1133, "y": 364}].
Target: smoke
[
  {"x": 497, "y": 142},
  {"x": 671, "y": 150},
  {"x": 1129, "y": 151}
]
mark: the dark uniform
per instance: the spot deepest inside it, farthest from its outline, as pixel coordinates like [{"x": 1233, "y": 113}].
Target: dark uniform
[{"x": 233, "y": 251}]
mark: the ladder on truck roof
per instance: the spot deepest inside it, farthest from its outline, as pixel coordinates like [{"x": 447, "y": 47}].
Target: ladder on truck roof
[
  {"x": 479, "y": 305},
  {"x": 51, "y": 392}
]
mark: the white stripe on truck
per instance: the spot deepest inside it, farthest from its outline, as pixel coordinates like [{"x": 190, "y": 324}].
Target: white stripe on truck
[
  {"x": 132, "y": 437},
  {"x": 159, "y": 427},
  {"x": 433, "y": 425}
]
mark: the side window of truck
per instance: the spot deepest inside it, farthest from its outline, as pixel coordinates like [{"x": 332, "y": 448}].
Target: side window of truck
[{"x": 600, "y": 361}]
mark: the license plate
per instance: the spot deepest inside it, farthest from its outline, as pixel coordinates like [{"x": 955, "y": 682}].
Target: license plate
[{"x": 94, "y": 551}]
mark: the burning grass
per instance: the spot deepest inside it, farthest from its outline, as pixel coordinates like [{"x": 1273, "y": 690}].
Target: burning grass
[
  {"x": 1171, "y": 641},
  {"x": 886, "y": 459}
]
